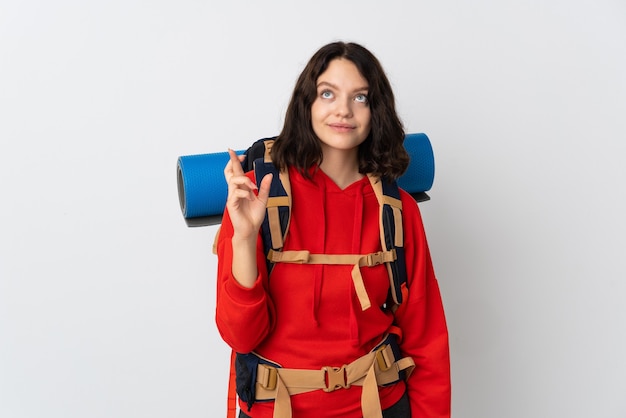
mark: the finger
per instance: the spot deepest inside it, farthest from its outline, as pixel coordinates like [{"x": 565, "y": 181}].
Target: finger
[
  {"x": 264, "y": 190},
  {"x": 230, "y": 171},
  {"x": 242, "y": 194},
  {"x": 241, "y": 182},
  {"x": 235, "y": 162},
  {"x": 228, "y": 168}
]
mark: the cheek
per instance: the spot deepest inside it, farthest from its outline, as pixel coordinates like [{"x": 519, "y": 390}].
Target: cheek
[
  {"x": 317, "y": 110},
  {"x": 316, "y": 118},
  {"x": 366, "y": 117},
  {"x": 314, "y": 113}
]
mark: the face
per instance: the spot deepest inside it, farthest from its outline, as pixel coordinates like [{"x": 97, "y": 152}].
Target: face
[{"x": 340, "y": 114}]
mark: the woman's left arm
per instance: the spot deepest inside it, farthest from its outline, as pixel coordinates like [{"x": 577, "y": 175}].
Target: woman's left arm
[{"x": 422, "y": 321}]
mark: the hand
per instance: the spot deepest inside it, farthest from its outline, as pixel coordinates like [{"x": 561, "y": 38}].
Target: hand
[{"x": 245, "y": 208}]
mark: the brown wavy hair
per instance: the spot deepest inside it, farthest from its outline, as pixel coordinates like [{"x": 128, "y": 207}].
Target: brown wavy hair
[{"x": 382, "y": 153}]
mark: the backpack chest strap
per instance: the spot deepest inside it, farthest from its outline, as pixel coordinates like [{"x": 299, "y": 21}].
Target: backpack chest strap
[{"x": 357, "y": 260}]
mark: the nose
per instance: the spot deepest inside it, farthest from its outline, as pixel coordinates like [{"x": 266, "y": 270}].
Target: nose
[{"x": 343, "y": 108}]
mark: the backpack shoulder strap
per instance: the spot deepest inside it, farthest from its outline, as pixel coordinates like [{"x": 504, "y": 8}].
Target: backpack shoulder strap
[
  {"x": 392, "y": 236},
  {"x": 259, "y": 149},
  {"x": 278, "y": 211}
]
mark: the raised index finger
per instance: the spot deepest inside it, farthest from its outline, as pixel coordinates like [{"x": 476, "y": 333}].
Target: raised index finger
[{"x": 235, "y": 163}]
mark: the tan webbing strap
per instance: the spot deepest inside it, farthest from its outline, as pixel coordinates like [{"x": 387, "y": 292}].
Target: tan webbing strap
[
  {"x": 298, "y": 257},
  {"x": 396, "y": 206},
  {"x": 359, "y": 288},
  {"x": 370, "y": 400},
  {"x": 407, "y": 364},
  {"x": 275, "y": 231},
  {"x": 282, "y": 403},
  {"x": 278, "y": 201},
  {"x": 377, "y": 185},
  {"x": 268, "y": 148},
  {"x": 376, "y": 368},
  {"x": 274, "y": 220},
  {"x": 397, "y": 218},
  {"x": 367, "y": 260},
  {"x": 391, "y": 201},
  {"x": 305, "y": 257}
]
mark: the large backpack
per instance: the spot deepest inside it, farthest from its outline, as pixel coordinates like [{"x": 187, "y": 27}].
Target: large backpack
[{"x": 197, "y": 174}]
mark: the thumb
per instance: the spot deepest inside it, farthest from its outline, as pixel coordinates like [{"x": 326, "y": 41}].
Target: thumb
[{"x": 264, "y": 187}]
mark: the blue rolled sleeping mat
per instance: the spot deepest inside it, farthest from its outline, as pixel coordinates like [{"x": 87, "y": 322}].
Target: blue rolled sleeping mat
[{"x": 202, "y": 189}]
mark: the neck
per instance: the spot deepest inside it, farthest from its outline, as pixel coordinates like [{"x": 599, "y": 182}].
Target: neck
[{"x": 341, "y": 166}]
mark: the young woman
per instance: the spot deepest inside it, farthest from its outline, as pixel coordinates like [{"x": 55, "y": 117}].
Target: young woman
[{"x": 315, "y": 333}]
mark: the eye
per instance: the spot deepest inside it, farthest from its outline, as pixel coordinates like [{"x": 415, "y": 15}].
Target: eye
[
  {"x": 361, "y": 98},
  {"x": 326, "y": 94}
]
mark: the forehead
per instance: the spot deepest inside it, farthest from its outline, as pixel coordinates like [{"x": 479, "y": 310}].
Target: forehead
[{"x": 343, "y": 73}]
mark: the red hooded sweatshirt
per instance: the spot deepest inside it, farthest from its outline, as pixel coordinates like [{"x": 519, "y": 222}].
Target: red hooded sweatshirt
[{"x": 308, "y": 316}]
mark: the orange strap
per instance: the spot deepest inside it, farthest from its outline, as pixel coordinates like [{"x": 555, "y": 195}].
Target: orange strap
[
  {"x": 231, "y": 407},
  {"x": 357, "y": 260}
]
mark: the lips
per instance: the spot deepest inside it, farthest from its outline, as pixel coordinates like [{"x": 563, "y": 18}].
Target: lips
[{"x": 341, "y": 127}]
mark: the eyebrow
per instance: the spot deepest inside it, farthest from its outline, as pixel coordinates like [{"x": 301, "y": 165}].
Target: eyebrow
[{"x": 326, "y": 83}]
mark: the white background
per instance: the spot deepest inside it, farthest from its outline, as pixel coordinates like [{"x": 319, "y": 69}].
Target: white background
[{"x": 107, "y": 298}]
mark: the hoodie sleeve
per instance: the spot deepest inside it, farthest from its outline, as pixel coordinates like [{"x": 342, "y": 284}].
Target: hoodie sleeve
[
  {"x": 244, "y": 317},
  {"x": 422, "y": 321}
]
